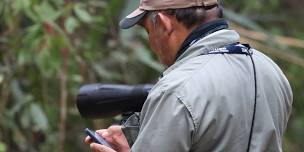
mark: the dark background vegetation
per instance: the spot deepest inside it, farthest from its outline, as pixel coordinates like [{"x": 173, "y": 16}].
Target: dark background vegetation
[{"x": 49, "y": 48}]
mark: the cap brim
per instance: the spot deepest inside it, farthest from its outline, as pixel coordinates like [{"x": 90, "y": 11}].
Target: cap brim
[{"x": 132, "y": 19}]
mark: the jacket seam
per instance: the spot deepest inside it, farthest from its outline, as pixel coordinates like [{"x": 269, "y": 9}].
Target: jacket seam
[{"x": 189, "y": 109}]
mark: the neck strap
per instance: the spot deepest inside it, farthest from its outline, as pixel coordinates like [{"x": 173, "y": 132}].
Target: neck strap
[{"x": 245, "y": 49}]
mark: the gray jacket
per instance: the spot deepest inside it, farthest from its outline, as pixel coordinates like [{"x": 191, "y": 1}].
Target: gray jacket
[{"x": 205, "y": 102}]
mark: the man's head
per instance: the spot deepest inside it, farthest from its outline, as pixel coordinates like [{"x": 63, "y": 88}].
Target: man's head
[{"x": 169, "y": 22}]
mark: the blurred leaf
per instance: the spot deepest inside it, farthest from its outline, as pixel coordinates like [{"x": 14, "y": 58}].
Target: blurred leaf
[
  {"x": 2, "y": 147},
  {"x": 39, "y": 118},
  {"x": 104, "y": 73},
  {"x": 43, "y": 64},
  {"x": 19, "y": 98},
  {"x": 46, "y": 12},
  {"x": 32, "y": 33},
  {"x": 242, "y": 20},
  {"x": 23, "y": 57},
  {"x": 82, "y": 14},
  {"x": 31, "y": 14},
  {"x": 51, "y": 52},
  {"x": 119, "y": 56},
  {"x": 71, "y": 24},
  {"x": 59, "y": 2},
  {"x": 274, "y": 3},
  {"x": 145, "y": 57},
  {"x": 76, "y": 78},
  {"x": 1, "y": 78},
  {"x": 21, "y": 4},
  {"x": 25, "y": 119}
]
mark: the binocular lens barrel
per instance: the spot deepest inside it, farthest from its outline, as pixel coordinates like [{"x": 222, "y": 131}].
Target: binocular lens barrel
[{"x": 107, "y": 100}]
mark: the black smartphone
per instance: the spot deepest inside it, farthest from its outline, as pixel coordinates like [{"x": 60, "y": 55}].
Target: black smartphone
[{"x": 96, "y": 138}]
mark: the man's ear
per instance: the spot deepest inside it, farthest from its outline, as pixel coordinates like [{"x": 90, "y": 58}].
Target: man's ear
[{"x": 166, "y": 22}]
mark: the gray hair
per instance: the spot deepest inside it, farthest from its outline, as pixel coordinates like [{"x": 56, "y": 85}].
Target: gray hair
[{"x": 188, "y": 16}]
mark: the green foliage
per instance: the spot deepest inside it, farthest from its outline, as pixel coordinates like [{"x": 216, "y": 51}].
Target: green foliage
[
  {"x": 49, "y": 48},
  {"x": 2, "y": 147},
  {"x": 43, "y": 42}
]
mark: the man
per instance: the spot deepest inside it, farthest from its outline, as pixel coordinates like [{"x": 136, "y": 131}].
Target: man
[{"x": 215, "y": 95}]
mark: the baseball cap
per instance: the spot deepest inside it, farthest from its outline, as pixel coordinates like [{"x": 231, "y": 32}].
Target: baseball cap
[{"x": 152, "y": 5}]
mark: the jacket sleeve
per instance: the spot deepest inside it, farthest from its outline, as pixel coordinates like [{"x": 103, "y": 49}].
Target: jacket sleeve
[{"x": 166, "y": 125}]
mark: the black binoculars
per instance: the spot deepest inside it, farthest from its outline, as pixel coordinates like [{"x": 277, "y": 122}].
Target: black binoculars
[{"x": 108, "y": 100}]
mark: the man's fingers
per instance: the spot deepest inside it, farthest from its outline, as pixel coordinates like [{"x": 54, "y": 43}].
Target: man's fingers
[
  {"x": 114, "y": 136},
  {"x": 100, "y": 148},
  {"x": 87, "y": 140},
  {"x": 102, "y": 131},
  {"x": 115, "y": 129}
]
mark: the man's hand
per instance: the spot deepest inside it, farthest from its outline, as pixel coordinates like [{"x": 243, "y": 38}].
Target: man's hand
[{"x": 114, "y": 136}]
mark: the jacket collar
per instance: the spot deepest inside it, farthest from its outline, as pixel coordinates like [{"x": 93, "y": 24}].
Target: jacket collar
[
  {"x": 203, "y": 45},
  {"x": 200, "y": 32}
]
